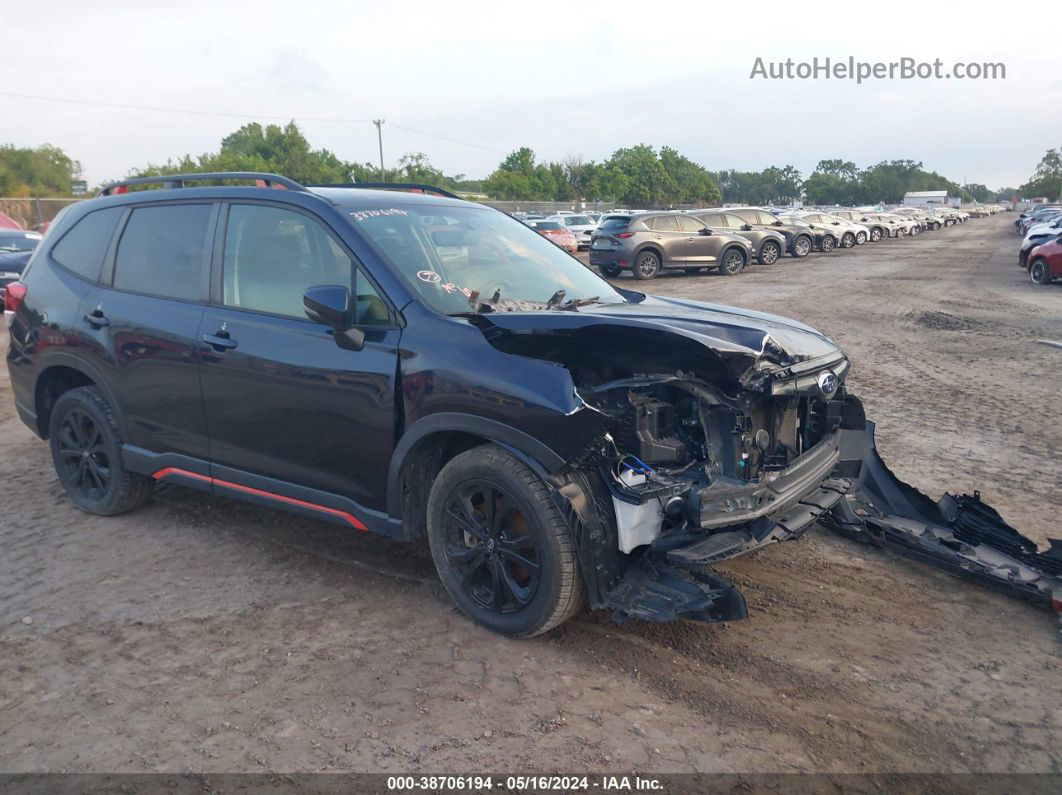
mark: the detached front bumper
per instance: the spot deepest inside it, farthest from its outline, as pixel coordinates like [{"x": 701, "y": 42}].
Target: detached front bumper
[{"x": 862, "y": 499}]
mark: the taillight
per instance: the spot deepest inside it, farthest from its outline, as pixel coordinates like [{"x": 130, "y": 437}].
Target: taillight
[
  {"x": 13, "y": 295},
  {"x": 624, "y": 235}
]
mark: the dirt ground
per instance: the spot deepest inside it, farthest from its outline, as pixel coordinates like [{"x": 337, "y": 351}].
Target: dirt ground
[{"x": 202, "y": 634}]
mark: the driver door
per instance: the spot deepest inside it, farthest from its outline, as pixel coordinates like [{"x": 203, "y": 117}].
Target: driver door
[{"x": 287, "y": 409}]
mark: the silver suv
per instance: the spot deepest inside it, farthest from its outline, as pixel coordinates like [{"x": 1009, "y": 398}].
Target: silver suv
[{"x": 648, "y": 243}]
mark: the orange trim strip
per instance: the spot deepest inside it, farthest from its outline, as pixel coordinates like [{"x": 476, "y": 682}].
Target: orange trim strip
[{"x": 184, "y": 473}]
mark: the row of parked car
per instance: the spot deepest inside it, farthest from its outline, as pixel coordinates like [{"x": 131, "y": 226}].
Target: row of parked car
[
  {"x": 1040, "y": 253},
  {"x": 729, "y": 239}
]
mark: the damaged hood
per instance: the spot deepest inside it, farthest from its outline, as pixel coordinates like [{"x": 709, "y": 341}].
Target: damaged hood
[{"x": 723, "y": 329}]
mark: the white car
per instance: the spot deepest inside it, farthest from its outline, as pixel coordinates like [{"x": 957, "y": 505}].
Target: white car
[
  {"x": 847, "y": 233},
  {"x": 582, "y": 226},
  {"x": 1046, "y": 228}
]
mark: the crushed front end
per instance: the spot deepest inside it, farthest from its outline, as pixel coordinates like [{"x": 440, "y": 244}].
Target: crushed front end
[{"x": 697, "y": 473}]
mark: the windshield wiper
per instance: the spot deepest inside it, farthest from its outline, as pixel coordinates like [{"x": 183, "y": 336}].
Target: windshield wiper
[
  {"x": 575, "y": 303},
  {"x": 555, "y": 299}
]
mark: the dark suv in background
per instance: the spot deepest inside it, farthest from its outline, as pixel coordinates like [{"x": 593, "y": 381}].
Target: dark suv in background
[
  {"x": 798, "y": 241},
  {"x": 767, "y": 244},
  {"x": 648, "y": 243}
]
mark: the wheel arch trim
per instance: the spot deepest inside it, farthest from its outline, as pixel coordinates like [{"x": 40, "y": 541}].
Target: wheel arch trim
[
  {"x": 52, "y": 359},
  {"x": 540, "y": 457}
]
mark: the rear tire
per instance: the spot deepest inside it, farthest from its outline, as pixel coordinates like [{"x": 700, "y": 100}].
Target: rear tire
[
  {"x": 646, "y": 266},
  {"x": 1040, "y": 271},
  {"x": 86, "y": 444},
  {"x": 502, "y": 548}
]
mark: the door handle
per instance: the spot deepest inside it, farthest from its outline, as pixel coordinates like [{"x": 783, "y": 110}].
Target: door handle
[
  {"x": 97, "y": 319},
  {"x": 219, "y": 343}
]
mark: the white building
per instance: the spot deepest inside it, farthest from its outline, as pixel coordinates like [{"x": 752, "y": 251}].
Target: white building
[{"x": 926, "y": 198}]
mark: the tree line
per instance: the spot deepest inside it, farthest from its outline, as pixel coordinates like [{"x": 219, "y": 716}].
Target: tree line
[{"x": 633, "y": 176}]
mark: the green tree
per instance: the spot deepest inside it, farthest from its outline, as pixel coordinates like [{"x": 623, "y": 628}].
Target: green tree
[
  {"x": 281, "y": 150},
  {"x": 647, "y": 180},
  {"x": 36, "y": 171},
  {"x": 693, "y": 182},
  {"x": 1047, "y": 181}
]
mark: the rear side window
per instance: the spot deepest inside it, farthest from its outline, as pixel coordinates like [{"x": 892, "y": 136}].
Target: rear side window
[
  {"x": 663, "y": 223},
  {"x": 689, "y": 224},
  {"x": 163, "y": 250},
  {"x": 83, "y": 248}
]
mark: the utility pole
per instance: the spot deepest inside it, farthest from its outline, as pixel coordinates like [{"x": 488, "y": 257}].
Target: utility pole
[{"x": 379, "y": 134}]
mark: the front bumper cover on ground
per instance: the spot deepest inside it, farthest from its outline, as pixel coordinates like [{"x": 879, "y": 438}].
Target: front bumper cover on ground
[{"x": 673, "y": 577}]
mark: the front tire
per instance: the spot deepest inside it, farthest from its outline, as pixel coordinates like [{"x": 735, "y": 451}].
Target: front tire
[
  {"x": 733, "y": 262},
  {"x": 875, "y": 235},
  {"x": 502, "y": 548},
  {"x": 86, "y": 444},
  {"x": 847, "y": 240},
  {"x": 770, "y": 251},
  {"x": 611, "y": 271},
  {"x": 861, "y": 238},
  {"x": 829, "y": 243},
  {"x": 1040, "y": 271},
  {"x": 646, "y": 265},
  {"x": 801, "y": 246}
]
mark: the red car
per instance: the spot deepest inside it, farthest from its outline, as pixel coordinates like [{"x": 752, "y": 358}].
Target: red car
[
  {"x": 557, "y": 232},
  {"x": 1045, "y": 262}
]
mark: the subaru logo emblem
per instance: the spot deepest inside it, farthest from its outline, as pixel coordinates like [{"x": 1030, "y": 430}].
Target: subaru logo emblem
[{"x": 828, "y": 383}]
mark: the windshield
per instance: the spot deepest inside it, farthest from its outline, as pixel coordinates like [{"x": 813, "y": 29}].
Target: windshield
[
  {"x": 23, "y": 241},
  {"x": 457, "y": 257},
  {"x": 577, "y": 220}
]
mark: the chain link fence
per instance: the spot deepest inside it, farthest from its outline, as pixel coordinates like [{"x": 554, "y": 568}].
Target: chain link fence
[{"x": 32, "y": 213}]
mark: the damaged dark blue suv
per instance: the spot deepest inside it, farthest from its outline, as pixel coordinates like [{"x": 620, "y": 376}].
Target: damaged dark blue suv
[{"x": 424, "y": 367}]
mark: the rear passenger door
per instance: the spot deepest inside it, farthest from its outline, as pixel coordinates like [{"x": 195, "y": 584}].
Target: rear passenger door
[
  {"x": 668, "y": 238},
  {"x": 139, "y": 325},
  {"x": 290, "y": 412}
]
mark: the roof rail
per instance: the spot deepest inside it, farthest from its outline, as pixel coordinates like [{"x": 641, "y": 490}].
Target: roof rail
[
  {"x": 408, "y": 187},
  {"x": 264, "y": 180}
]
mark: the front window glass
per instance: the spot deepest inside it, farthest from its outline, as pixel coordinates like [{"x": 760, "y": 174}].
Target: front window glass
[
  {"x": 272, "y": 255},
  {"x": 465, "y": 258}
]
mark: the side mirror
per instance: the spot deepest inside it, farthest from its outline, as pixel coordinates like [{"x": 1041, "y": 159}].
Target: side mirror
[
  {"x": 836, "y": 223},
  {"x": 777, "y": 223},
  {"x": 329, "y": 305},
  {"x": 746, "y": 228},
  {"x": 704, "y": 230}
]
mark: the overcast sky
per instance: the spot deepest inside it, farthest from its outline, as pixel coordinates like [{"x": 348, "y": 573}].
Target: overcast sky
[{"x": 567, "y": 79}]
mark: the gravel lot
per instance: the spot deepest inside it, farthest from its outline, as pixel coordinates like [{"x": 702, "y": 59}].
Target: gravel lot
[{"x": 201, "y": 634}]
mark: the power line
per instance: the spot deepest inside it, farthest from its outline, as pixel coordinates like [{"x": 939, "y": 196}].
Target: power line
[
  {"x": 175, "y": 110},
  {"x": 450, "y": 140},
  {"x": 191, "y": 112}
]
